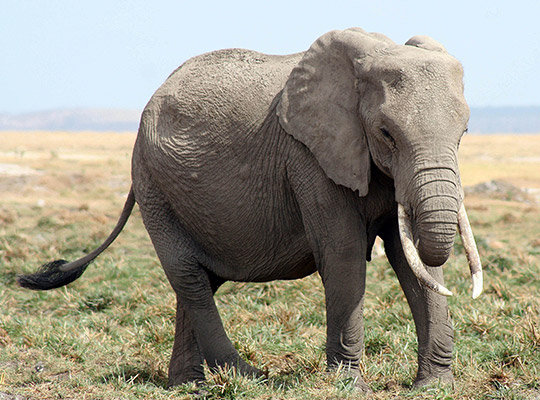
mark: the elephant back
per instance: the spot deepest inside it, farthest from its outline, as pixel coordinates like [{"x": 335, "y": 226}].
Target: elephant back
[{"x": 219, "y": 94}]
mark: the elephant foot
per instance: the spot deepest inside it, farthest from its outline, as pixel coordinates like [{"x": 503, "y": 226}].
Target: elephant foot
[
  {"x": 197, "y": 376},
  {"x": 347, "y": 376},
  {"x": 445, "y": 378},
  {"x": 183, "y": 379},
  {"x": 242, "y": 368},
  {"x": 184, "y": 375},
  {"x": 247, "y": 370},
  {"x": 185, "y": 368}
]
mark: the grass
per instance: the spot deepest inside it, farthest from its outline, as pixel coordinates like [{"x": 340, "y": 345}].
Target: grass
[{"x": 109, "y": 335}]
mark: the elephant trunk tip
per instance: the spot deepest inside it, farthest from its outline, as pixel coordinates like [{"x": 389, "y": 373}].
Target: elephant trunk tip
[{"x": 434, "y": 258}]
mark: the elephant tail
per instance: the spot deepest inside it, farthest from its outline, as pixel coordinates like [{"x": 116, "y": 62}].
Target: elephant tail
[{"x": 59, "y": 273}]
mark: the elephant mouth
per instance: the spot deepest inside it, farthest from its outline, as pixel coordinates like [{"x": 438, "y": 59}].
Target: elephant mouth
[{"x": 419, "y": 268}]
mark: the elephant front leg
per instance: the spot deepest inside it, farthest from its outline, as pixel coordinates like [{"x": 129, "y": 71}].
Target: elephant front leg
[
  {"x": 344, "y": 283},
  {"x": 430, "y": 312}
]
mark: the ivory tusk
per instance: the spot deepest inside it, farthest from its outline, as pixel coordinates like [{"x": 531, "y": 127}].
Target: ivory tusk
[
  {"x": 411, "y": 254},
  {"x": 471, "y": 251}
]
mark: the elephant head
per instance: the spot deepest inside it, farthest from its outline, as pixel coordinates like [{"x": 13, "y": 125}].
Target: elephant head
[{"x": 356, "y": 99}]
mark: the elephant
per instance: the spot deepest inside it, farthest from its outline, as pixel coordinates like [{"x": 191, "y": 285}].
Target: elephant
[{"x": 252, "y": 167}]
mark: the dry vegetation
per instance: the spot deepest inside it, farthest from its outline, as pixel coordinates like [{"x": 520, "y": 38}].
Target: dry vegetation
[{"x": 109, "y": 335}]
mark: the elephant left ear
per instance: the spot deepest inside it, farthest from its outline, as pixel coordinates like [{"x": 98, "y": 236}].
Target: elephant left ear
[{"x": 319, "y": 105}]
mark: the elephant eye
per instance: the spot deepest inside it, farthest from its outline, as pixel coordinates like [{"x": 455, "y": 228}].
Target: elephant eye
[
  {"x": 388, "y": 137},
  {"x": 386, "y": 134}
]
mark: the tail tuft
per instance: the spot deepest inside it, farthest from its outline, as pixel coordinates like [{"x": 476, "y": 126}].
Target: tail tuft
[{"x": 50, "y": 276}]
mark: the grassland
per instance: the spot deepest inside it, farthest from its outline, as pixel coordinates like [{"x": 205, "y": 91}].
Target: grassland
[{"x": 109, "y": 335}]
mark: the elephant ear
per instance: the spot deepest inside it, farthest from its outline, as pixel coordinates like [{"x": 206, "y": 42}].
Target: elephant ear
[
  {"x": 426, "y": 43},
  {"x": 319, "y": 105}
]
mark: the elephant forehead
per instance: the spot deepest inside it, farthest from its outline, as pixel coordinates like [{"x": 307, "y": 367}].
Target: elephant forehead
[
  {"x": 423, "y": 86},
  {"x": 425, "y": 109}
]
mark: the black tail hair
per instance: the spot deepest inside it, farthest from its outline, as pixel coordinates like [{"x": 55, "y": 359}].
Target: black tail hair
[
  {"x": 50, "y": 276},
  {"x": 59, "y": 273}
]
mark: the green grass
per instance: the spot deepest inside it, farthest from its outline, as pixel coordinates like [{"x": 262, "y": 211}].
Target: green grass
[{"x": 109, "y": 335}]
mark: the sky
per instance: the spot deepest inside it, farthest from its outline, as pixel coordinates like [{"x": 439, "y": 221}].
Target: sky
[{"x": 58, "y": 54}]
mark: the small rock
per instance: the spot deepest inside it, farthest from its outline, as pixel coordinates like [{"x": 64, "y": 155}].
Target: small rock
[{"x": 39, "y": 367}]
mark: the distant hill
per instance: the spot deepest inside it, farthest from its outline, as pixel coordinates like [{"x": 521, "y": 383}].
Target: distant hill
[
  {"x": 85, "y": 119},
  {"x": 483, "y": 120},
  {"x": 505, "y": 120}
]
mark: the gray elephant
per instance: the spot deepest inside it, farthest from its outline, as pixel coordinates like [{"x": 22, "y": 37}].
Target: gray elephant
[{"x": 251, "y": 167}]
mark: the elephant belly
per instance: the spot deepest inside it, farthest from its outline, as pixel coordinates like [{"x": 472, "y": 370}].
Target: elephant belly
[{"x": 244, "y": 241}]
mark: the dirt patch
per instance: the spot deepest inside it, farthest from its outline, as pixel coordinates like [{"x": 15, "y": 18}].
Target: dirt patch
[
  {"x": 7, "y": 396},
  {"x": 14, "y": 177},
  {"x": 15, "y": 170}
]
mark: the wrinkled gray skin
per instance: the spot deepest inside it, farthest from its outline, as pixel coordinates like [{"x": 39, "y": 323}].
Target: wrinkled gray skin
[{"x": 250, "y": 167}]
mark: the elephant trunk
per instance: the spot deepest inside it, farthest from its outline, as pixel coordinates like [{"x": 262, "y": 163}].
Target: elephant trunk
[
  {"x": 428, "y": 230},
  {"x": 436, "y": 225}
]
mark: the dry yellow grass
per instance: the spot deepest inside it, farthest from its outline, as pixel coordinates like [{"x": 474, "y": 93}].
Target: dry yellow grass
[
  {"x": 513, "y": 158},
  {"x": 67, "y": 168},
  {"x": 45, "y": 140}
]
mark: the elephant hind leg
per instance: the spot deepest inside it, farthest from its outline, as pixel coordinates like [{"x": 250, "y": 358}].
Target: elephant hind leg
[
  {"x": 195, "y": 287},
  {"x": 199, "y": 330},
  {"x": 186, "y": 360},
  {"x": 186, "y": 364}
]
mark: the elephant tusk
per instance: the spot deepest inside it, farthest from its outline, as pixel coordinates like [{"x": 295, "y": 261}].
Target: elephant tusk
[
  {"x": 467, "y": 238},
  {"x": 411, "y": 254}
]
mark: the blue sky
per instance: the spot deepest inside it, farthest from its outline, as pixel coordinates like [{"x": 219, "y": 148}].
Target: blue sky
[{"x": 114, "y": 53}]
